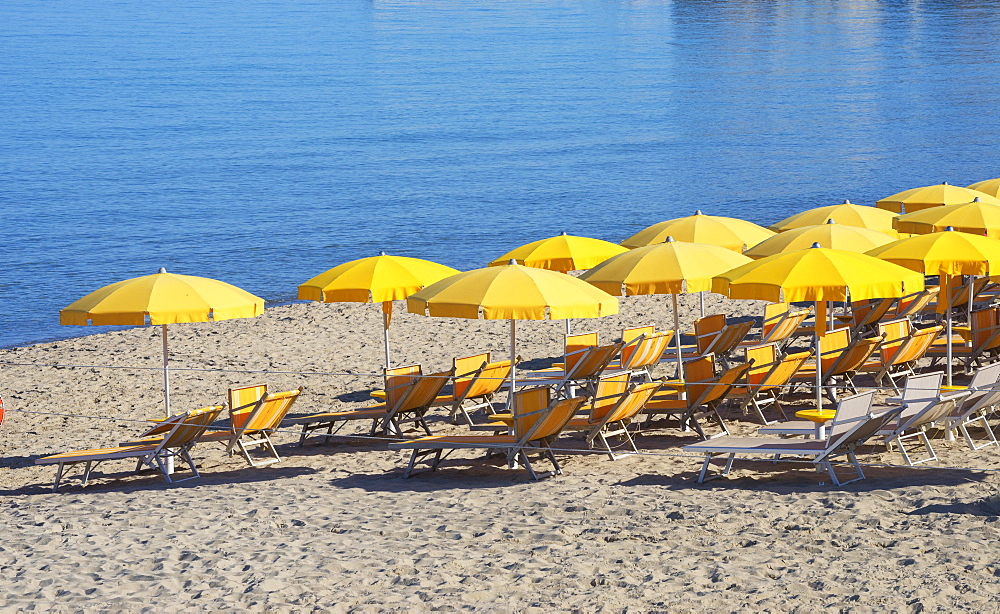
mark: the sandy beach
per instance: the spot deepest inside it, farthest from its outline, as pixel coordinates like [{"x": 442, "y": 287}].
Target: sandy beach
[{"x": 335, "y": 527}]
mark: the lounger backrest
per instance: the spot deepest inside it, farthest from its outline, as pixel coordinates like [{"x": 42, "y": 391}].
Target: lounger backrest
[
  {"x": 595, "y": 361},
  {"x": 576, "y": 347},
  {"x": 912, "y": 304},
  {"x": 647, "y": 351},
  {"x": 631, "y": 403},
  {"x": 765, "y": 358},
  {"x": 832, "y": 345},
  {"x": 978, "y": 400},
  {"x": 923, "y": 386},
  {"x": 551, "y": 421},
  {"x": 707, "y": 329},
  {"x": 730, "y": 337},
  {"x": 786, "y": 368},
  {"x": 631, "y": 334},
  {"x": 489, "y": 381},
  {"x": 242, "y": 400},
  {"x": 983, "y": 326},
  {"x": 960, "y": 295},
  {"x": 895, "y": 333},
  {"x": 699, "y": 373},
  {"x": 529, "y": 403},
  {"x": 773, "y": 314},
  {"x": 918, "y": 344},
  {"x": 871, "y": 311},
  {"x": 850, "y": 410},
  {"x": 610, "y": 388},
  {"x": 717, "y": 390},
  {"x": 984, "y": 376},
  {"x": 925, "y": 411},
  {"x": 467, "y": 370},
  {"x": 854, "y": 356},
  {"x": 423, "y": 391},
  {"x": 270, "y": 410},
  {"x": 787, "y": 326},
  {"x": 190, "y": 426},
  {"x": 397, "y": 382}
]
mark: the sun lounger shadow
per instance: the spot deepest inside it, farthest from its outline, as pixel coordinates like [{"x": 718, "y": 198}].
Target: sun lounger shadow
[{"x": 983, "y": 508}]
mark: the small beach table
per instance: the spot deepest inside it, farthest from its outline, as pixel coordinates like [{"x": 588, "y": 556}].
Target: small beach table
[{"x": 820, "y": 417}]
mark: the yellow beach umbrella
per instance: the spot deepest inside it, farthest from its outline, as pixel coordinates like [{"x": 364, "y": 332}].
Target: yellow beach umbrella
[
  {"x": 990, "y": 186},
  {"x": 672, "y": 267},
  {"x": 728, "y": 232},
  {"x": 512, "y": 292},
  {"x": 161, "y": 299},
  {"x": 917, "y": 199},
  {"x": 562, "y": 253},
  {"x": 818, "y": 274},
  {"x": 830, "y": 234},
  {"x": 377, "y": 279},
  {"x": 846, "y": 214},
  {"x": 977, "y": 217},
  {"x": 944, "y": 254}
]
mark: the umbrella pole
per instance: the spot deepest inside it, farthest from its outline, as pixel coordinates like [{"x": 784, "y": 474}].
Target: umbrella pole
[
  {"x": 677, "y": 339},
  {"x": 168, "y": 464},
  {"x": 385, "y": 331},
  {"x": 166, "y": 374},
  {"x": 567, "y": 326},
  {"x": 513, "y": 376},
  {"x": 818, "y": 330},
  {"x": 943, "y": 298},
  {"x": 701, "y": 302}
]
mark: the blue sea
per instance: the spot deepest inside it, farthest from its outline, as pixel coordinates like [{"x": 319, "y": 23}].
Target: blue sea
[{"x": 262, "y": 142}]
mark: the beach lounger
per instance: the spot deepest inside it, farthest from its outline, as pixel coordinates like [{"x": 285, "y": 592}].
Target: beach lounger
[
  {"x": 780, "y": 323},
  {"x": 538, "y": 420},
  {"x": 706, "y": 330},
  {"x": 902, "y": 347},
  {"x": 842, "y": 359},
  {"x": 975, "y": 409},
  {"x": 984, "y": 341},
  {"x": 252, "y": 424},
  {"x": 852, "y": 426},
  {"x": 612, "y": 412},
  {"x": 409, "y": 395},
  {"x": 767, "y": 379},
  {"x": 642, "y": 352},
  {"x": 923, "y": 386},
  {"x": 477, "y": 380},
  {"x": 181, "y": 434},
  {"x": 914, "y": 419},
  {"x": 703, "y": 397}
]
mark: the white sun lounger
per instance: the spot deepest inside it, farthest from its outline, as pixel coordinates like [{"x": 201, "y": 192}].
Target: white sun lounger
[{"x": 851, "y": 427}]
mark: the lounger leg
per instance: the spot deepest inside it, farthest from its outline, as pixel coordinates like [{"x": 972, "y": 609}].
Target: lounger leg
[
  {"x": 186, "y": 455},
  {"x": 555, "y": 463},
  {"x": 437, "y": 460},
  {"x": 86, "y": 472},
  {"x": 990, "y": 436},
  {"x": 527, "y": 464},
  {"x": 59, "y": 472},
  {"x": 409, "y": 467}
]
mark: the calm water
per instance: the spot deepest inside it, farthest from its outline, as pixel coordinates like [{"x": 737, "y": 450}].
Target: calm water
[{"x": 262, "y": 142}]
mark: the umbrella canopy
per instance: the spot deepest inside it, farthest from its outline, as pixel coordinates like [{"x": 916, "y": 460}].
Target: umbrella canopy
[
  {"x": 672, "y": 267},
  {"x": 377, "y": 279},
  {"x": 373, "y": 280},
  {"x": 944, "y": 253},
  {"x": 562, "y": 253},
  {"x": 976, "y": 217},
  {"x": 847, "y": 214},
  {"x": 836, "y": 236},
  {"x": 163, "y": 298},
  {"x": 512, "y": 292},
  {"x": 990, "y": 186},
  {"x": 818, "y": 274},
  {"x": 728, "y": 232},
  {"x": 917, "y": 199}
]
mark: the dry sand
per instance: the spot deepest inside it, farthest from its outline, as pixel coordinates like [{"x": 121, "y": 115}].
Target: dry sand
[{"x": 335, "y": 527}]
